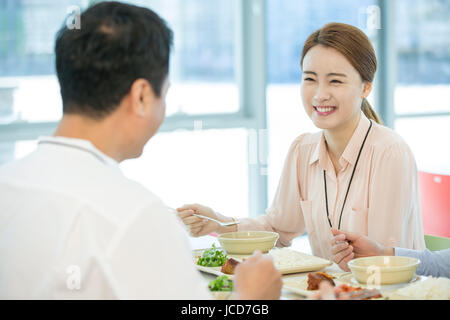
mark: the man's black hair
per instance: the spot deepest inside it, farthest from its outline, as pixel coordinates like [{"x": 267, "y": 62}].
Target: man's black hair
[{"x": 116, "y": 44}]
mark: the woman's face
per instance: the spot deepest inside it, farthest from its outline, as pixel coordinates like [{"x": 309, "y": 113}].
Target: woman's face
[{"x": 332, "y": 90}]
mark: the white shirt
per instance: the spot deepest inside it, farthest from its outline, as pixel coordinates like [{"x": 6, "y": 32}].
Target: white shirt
[{"x": 73, "y": 227}]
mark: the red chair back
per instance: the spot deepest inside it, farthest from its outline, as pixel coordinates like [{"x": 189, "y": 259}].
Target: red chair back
[{"x": 435, "y": 198}]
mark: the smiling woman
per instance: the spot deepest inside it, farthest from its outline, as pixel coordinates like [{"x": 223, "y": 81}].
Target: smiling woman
[
  {"x": 354, "y": 174},
  {"x": 356, "y": 57}
]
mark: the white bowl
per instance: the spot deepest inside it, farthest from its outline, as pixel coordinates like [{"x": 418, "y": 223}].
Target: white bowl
[
  {"x": 383, "y": 270},
  {"x": 246, "y": 242}
]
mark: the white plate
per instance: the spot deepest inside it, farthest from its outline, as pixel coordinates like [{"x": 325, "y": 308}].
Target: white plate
[
  {"x": 421, "y": 290},
  {"x": 223, "y": 295},
  {"x": 386, "y": 290},
  {"x": 214, "y": 270},
  {"x": 305, "y": 263},
  {"x": 311, "y": 263},
  {"x": 299, "y": 285}
]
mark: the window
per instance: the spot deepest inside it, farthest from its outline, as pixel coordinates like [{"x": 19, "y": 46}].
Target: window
[
  {"x": 422, "y": 92},
  {"x": 202, "y": 64},
  {"x": 206, "y": 92},
  {"x": 29, "y": 90},
  {"x": 423, "y": 56},
  {"x": 207, "y": 88},
  {"x": 207, "y": 167},
  {"x": 427, "y": 138}
]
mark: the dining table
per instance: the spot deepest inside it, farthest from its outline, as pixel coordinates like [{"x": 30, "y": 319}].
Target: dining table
[
  {"x": 207, "y": 241},
  {"x": 295, "y": 277}
]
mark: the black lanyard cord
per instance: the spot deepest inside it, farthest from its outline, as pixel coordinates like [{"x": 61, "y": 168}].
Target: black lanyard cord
[
  {"x": 326, "y": 197},
  {"x": 349, "y": 184}
]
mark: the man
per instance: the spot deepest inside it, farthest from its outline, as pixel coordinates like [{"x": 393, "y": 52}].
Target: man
[
  {"x": 71, "y": 225},
  {"x": 349, "y": 245}
]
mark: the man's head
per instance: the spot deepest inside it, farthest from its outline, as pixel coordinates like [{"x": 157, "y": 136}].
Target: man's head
[{"x": 116, "y": 66}]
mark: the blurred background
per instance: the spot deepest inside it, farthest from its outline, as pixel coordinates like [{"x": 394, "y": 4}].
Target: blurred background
[{"x": 234, "y": 106}]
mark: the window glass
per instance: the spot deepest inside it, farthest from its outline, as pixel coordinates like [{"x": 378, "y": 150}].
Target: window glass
[
  {"x": 423, "y": 79},
  {"x": 28, "y": 87},
  {"x": 202, "y": 72},
  {"x": 427, "y": 138},
  {"x": 423, "y": 56},
  {"x": 209, "y": 167},
  {"x": 202, "y": 64}
]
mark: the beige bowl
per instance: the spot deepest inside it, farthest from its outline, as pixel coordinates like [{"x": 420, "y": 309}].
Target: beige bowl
[
  {"x": 383, "y": 270},
  {"x": 246, "y": 242}
]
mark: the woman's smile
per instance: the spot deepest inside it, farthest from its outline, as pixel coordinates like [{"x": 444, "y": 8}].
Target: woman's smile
[{"x": 324, "y": 110}]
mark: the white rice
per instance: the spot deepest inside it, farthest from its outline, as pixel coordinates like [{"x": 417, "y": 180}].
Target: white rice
[
  {"x": 429, "y": 289},
  {"x": 283, "y": 257}
]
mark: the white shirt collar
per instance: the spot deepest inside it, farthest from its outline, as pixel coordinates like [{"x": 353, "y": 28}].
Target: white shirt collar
[{"x": 80, "y": 144}]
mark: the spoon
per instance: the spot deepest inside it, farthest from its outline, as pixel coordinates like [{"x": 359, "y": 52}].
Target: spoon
[{"x": 222, "y": 224}]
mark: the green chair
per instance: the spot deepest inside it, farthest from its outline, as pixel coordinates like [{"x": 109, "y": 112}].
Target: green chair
[{"x": 435, "y": 243}]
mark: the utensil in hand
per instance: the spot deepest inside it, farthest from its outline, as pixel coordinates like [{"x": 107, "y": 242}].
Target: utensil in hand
[{"x": 222, "y": 224}]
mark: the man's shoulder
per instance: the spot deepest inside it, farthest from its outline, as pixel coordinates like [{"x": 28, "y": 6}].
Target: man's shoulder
[
  {"x": 104, "y": 188},
  {"x": 136, "y": 191},
  {"x": 120, "y": 197},
  {"x": 8, "y": 168}
]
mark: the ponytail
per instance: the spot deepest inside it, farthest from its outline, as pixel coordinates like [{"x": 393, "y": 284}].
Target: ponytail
[{"x": 369, "y": 112}]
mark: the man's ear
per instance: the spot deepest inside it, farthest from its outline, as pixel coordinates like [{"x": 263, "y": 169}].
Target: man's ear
[
  {"x": 142, "y": 97},
  {"x": 367, "y": 88}
]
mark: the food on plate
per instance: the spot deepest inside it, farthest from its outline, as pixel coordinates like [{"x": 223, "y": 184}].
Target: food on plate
[
  {"x": 221, "y": 283},
  {"x": 315, "y": 278},
  {"x": 290, "y": 260},
  {"x": 357, "y": 293},
  {"x": 429, "y": 289},
  {"x": 229, "y": 266},
  {"x": 212, "y": 257},
  {"x": 287, "y": 257},
  {"x": 345, "y": 291}
]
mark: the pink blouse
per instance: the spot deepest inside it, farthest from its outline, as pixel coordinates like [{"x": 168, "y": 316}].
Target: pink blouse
[{"x": 383, "y": 201}]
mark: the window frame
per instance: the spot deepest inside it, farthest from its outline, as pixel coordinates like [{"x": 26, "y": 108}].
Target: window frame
[{"x": 387, "y": 74}]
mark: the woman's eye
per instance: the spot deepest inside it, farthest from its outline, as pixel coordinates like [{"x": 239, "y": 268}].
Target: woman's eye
[
  {"x": 309, "y": 79},
  {"x": 336, "y": 81}
]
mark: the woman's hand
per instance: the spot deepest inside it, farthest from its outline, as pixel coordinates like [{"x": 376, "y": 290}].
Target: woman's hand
[
  {"x": 349, "y": 245},
  {"x": 197, "y": 226}
]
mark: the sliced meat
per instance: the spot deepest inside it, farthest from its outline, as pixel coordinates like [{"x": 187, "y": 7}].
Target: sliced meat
[
  {"x": 315, "y": 278},
  {"x": 229, "y": 266},
  {"x": 358, "y": 293}
]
